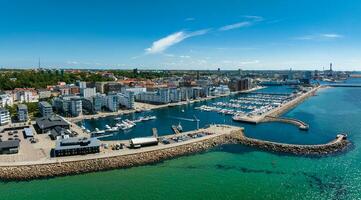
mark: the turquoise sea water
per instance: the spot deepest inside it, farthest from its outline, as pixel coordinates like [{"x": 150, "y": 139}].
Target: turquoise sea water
[{"x": 231, "y": 171}]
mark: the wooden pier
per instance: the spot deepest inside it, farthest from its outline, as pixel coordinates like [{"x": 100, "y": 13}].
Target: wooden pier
[{"x": 175, "y": 129}]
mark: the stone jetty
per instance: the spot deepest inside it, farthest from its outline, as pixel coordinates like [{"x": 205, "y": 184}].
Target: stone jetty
[
  {"x": 53, "y": 169},
  {"x": 222, "y": 134},
  {"x": 339, "y": 144}
]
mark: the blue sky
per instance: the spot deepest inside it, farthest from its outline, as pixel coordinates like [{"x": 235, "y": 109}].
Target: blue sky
[{"x": 174, "y": 34}]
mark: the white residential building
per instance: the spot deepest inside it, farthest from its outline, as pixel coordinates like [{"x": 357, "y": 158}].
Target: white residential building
[
  {"x": 112, "y": 103},
  {"x": 6, "y": 100},
  {"x": 22, "y": 111},
  {"x": 26, "y": 95},
  {"x": 46, "y": 110},
  {"x": 68, "y": 105},
  {"x": 175, "y": 95},
  {"x": 126, "y": 100},
  {"x": 87, "y": 92},
  {"x": 158, "y": 97},
  {"x": 135, "y": 90},
  {"x": 4, "y": 117}
]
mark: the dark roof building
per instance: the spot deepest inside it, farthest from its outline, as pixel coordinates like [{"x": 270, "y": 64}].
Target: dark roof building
[
  {"x": 46, "y": 124},
  {"x": 76, "y": 146},
  {"x": 9, "y": 146},
  {"x": 58, "y": 131}
]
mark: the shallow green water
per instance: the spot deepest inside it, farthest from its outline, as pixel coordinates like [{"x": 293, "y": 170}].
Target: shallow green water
[{"x": 233, "y": 171}]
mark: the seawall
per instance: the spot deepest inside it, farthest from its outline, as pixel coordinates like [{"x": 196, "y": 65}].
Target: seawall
[
  {"x": 37, "y": 171},
  {"x": 149, "y": 156}
]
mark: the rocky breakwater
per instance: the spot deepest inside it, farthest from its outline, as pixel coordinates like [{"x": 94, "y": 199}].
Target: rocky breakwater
[
  {"x": 339, "y": 144},
  {"x": 52, "y": 169}
]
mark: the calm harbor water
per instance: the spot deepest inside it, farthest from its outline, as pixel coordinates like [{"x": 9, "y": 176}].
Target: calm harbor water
[{"x": 231, "y": 171}]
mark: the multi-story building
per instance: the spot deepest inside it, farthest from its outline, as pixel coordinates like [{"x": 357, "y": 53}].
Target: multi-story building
[
  {"x": 98, "y": 102},
  {"x": 113, "y": 87},
  {"x": 74, "y": 90},
  {"x": 164, "y": 95},
  {"x": 161, "y": 96},
  {"x": 6, "y": 100},
  {"x": 68, "y": 90},
  {"x": 46, "y": 110},
  {"x": 100, "y": 87},
  {"x": 81, "y": 84},
  {"x": 196, "y": 92},
  {"x": 88, "y": 106},
  {"x": 175, "y": 95},
  {"x": 64, "y": 91},
  {"x": 204, "y": 91},
  {"x": 112, "y": 103},
  {"x": 68, "y": 105},
  {"x": 186, "y": 93},
  {"x": 4, "y": 116},
  {"x": 44, "y": 94},
  {"x": 135, "y": 90},
  {"x": 26, "y": 95},
  {"x": 75, "y": 106},
  {"x": 22, "y": 111},
  {"x": 223, "y": 89},
  {"x": 126, "y": 99},
  {"x": 203, "y": 83},
  {"x": 95, "y": 103},
  {"x": 241, "y": 84},
  {"x": 87, "y": 92},
  {"x": 76, "y": 146}
]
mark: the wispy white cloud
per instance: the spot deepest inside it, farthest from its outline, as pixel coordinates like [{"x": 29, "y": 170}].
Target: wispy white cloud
[
  {"x": 240, "y": 62},
  {"x": 322, "y": 36},
  {"x": 331, "y": 35},
  {"x": 162, "y": 44},
  {"x": 250, "y": 20},
  {"x": 72, "y": 62},
  {"x": 254, "y": 17},
  {"x": 184, "y": 56},
  {"x": 235, "y": 26}
]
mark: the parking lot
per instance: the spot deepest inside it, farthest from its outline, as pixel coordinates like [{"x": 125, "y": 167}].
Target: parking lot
[{"x": 29, "y": 148}]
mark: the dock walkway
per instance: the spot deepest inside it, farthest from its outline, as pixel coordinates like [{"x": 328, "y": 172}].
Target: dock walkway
[{"x": 279, "y": 110}]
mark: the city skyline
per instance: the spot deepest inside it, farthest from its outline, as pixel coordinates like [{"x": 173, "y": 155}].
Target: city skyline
[{"x": 181, "y": 35}]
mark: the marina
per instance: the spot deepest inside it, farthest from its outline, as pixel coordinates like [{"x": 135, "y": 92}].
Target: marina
[
  {"x": 119, "y": 126},
  {"x": 192, "y": 118}
]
